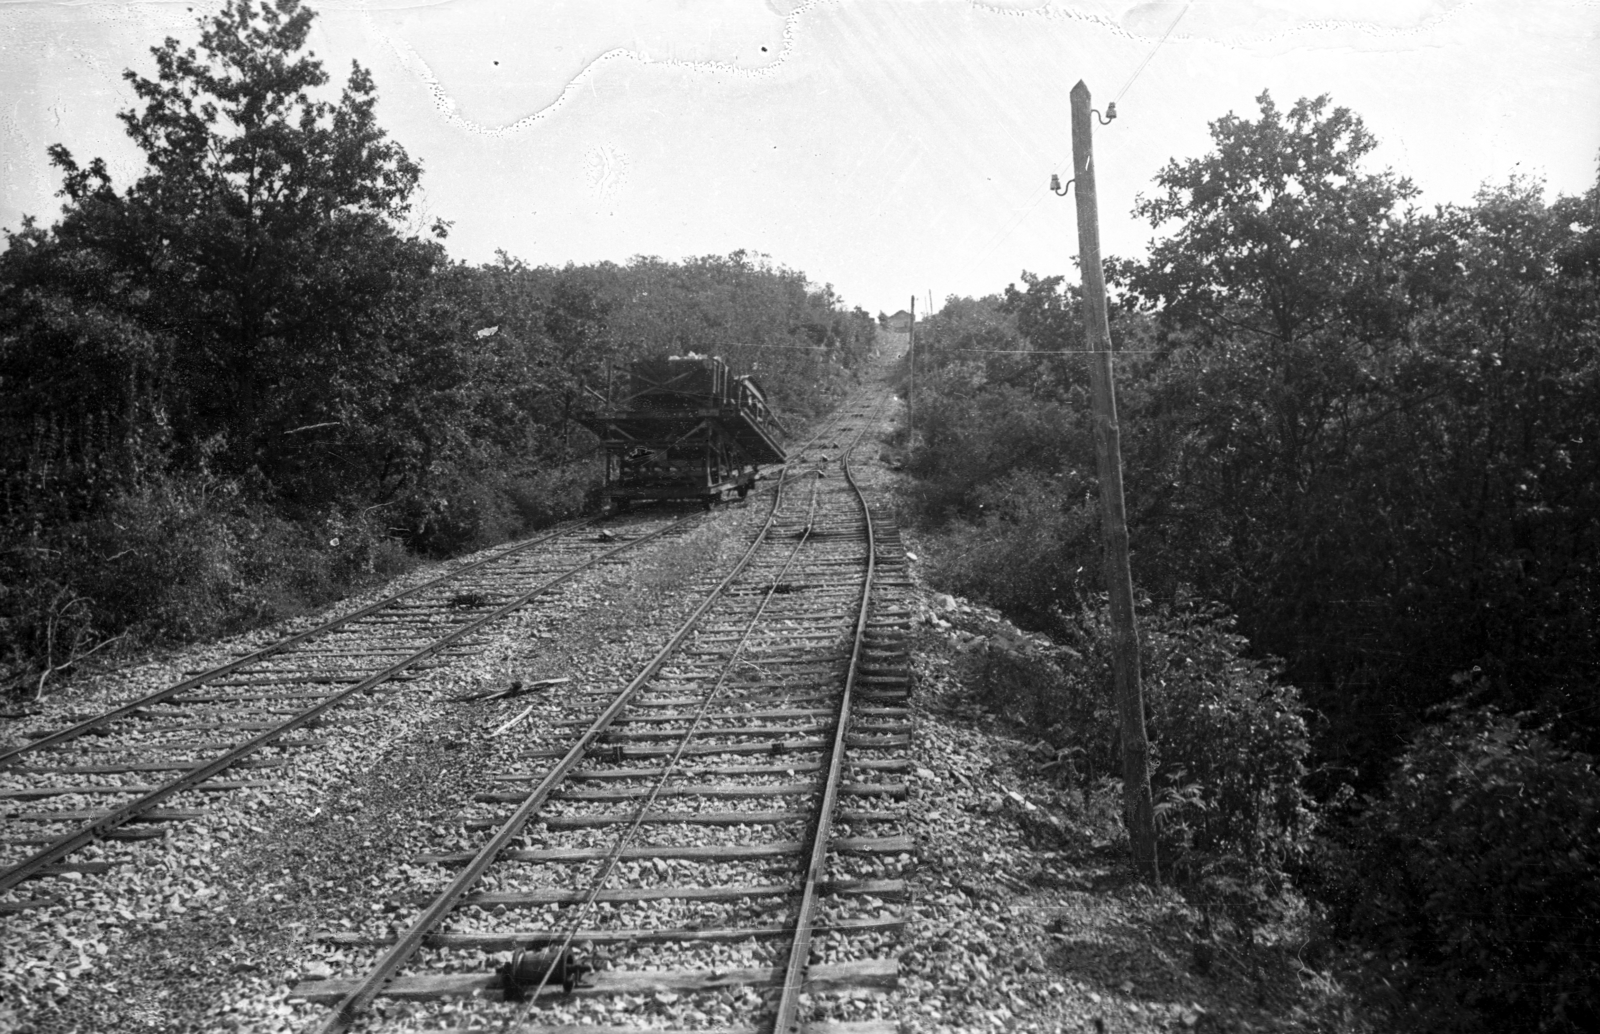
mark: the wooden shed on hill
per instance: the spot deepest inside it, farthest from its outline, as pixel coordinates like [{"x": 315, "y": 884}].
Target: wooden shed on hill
[{"x": 900, "y": 322}]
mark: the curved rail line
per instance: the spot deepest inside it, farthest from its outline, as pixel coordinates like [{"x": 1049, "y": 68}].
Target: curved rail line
[
  {"x": 787, "y": 1012},
  {"x": 644, "y": 716}
]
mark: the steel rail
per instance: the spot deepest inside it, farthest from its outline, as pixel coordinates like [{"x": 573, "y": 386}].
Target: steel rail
[
  {"x": 8, "y": 754},
  {"x": 614, "y": 855},
  {"x": 360, "y": 998},
  {"x": 786, "y": 1018},
  {"x": 87, "y": 834},
  {"x": 608, "y": 865},
  {"x": 124, "y": 710}
]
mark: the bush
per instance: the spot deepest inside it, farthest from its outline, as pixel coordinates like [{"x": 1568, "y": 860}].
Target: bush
[
  {"x": 977, "y": 446},
  {"x": 540, "y": 499},
  {"x": 1228, "y": 740},
  {"x": 357, "y": 544},
  {"x": 1478, "y": 876},
  {"x": 459, "y": 514},
  {"x": 1023, "y": 555},
  {"x": 186, "y": 558},
  {"x": 43, "y": 622},
  {"x": 161, "y": 561},
  {"x": 174, "y": 560},
  {"x": 1040, "y": 686},
  {"x": 1229, "y": 743}
]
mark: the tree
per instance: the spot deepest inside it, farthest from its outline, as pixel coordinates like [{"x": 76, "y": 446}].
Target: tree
[
  {"x": 1279, "y": 232},
  {"x": 1280, "y": 289},
  {"x": 1374, "y": 435},
  {"x": 80, "y": 414},
  {"x": 1477, "y": 880},
  {"x": 1371, "y": 424},
  {"x": 1047, "y": 316},
  {"x": 261, "y": 234},
  {"x": 1504, "y": 544}
]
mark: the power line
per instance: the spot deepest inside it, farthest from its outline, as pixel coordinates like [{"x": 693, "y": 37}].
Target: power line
[
  {"x": 1039, "y": 192},
  {"x": 938, "y": 350},
  {"x": 998, "y": 239},
  {"x": 1146, "y": 61}
]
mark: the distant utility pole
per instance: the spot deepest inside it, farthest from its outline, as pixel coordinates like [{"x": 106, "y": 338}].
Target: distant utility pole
[
  {"x": 911, "y": 357},
  {"x": 1113, "y": 516}
]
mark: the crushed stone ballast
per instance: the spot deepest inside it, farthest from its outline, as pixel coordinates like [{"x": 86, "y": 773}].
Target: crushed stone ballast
[
  {"x": 726, "y": 827},
  {"x": 109, "y": 775}
]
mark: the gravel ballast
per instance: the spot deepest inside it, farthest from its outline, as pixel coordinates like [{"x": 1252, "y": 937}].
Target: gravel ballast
[{"x": 1021, "y": 913}]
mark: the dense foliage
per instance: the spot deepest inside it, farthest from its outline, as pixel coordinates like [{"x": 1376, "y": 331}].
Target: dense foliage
[
  {"x": 1478, "y": 873},
  {"x": 244, "y": 382},
  {"x": 1369, "y": 431},
  {"x": 1228, "y": 742}
]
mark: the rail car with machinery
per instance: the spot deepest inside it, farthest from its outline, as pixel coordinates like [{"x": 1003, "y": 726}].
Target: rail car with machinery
[{"x": 682, "y": 428}]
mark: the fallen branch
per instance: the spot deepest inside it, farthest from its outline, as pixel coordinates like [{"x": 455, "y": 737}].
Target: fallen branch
[
  {"x": 526, "y": 711},
  {"x": 516, "y": 689},
  {"x": 38, "y": 692}
]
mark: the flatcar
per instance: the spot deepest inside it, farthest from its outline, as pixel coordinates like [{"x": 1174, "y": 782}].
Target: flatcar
[{"x": 682, "y": 428}]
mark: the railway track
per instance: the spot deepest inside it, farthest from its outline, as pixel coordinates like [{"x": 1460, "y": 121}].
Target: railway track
[
  {"x": 126, "y": 772},
  {"x": 719, "y": 842}
]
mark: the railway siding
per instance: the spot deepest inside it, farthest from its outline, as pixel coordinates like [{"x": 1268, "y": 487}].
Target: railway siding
[
  {"x": 448, "y": 616},
  {"x": 242, "y": 885}
]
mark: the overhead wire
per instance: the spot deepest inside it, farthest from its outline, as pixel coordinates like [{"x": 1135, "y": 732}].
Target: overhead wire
[
  {"x": 1147, "y": 58},
  {"x": 1039, "y": 192},
  {"x": 1044, "y": 351}
]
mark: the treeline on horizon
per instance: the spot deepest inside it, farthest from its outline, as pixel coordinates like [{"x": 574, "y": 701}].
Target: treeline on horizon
[
  {"x": 1366, "y": 438},
  {"x": 239, "y": 386}
]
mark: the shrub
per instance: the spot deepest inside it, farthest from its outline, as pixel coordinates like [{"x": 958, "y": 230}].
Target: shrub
[
  {"x": 44, "y": 623},
  {"x": 547, "y": 496},
  {"x": 1228, "y": 740},
  {"x": 458, "y": 514},
  {"x": 1224, "y": 722},
  {"x": 359, "y": 546},
  {"x": 160, "y": 561},
  {"x": 1040, "y": 687},
  {"x": 1479, "y": 877},
  {"x": 1022, "y": 556},
  {"x": 173, "y": 560},
  {"x": 976, "y": 450}
]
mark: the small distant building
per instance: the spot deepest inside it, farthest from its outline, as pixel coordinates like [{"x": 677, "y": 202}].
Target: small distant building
[{"x": 900, "y": 322}]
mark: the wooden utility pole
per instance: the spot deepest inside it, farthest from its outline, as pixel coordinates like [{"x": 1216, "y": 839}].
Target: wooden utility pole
[
  {"x": 911, "y": 358},
  {"x": 1137, "y": 805}
]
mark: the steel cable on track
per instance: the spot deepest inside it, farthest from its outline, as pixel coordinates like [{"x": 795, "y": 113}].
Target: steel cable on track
[
  {"x": 608, "y": 865},
  {"x": 787, "y": 1012}
]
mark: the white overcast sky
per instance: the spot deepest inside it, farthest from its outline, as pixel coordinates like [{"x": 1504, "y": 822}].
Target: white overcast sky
[{"x": 888, "y": 147}]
